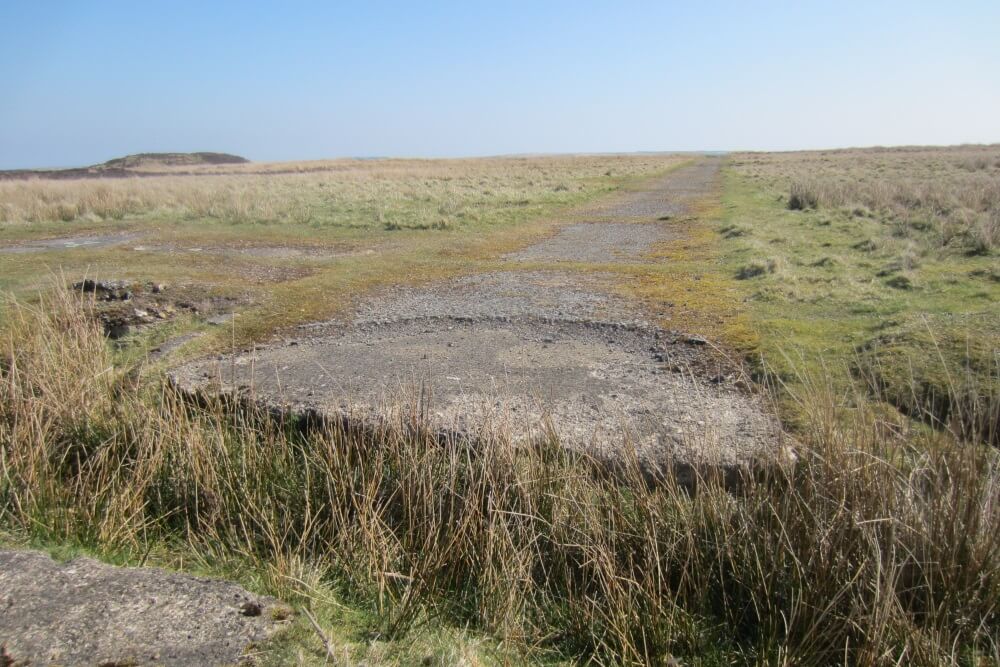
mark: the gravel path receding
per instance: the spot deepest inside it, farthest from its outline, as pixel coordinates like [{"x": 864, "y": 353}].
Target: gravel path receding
[
  {"x": 672, "y": 196},
  {"x": 626, "y": 228},
  {"x": 528, "y": 350},
  {"x": 596, "y": 242}
]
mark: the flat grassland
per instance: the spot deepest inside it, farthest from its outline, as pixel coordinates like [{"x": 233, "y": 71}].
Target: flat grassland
[
  {"x": 295, "y": 242},
  {"x": 861, "y": 285}
]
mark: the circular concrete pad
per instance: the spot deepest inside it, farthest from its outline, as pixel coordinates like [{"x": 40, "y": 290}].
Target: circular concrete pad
[
  {"x": 527, "y": 353},
  {"x": 601, "y": 388}
]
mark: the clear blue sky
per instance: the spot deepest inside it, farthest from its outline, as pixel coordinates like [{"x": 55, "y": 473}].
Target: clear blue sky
[{"x": 82, "y": 82}]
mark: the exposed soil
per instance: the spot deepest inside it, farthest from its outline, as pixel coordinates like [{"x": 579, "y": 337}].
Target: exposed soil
[
  {"x": 531, "y": 351},
  {"x": 87, "y": 613},
  {"x": 124, "y": 306}
]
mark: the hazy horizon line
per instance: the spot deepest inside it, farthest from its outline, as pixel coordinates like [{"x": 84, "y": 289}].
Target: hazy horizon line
[{"x": 529, "y": 154}]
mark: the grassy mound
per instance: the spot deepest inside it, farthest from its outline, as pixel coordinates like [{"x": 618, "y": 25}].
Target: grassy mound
[
  {"x": 945, "y": 371},
  {"x": 140, "y": 160}
]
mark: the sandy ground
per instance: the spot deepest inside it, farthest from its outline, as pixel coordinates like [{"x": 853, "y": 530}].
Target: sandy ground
[{"x": 530, "y": 351}]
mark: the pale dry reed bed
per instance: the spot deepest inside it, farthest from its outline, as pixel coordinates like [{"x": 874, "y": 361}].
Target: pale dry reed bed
[
  {"x": 874, "y": 550},
  {"x": 940, "y": 197},
  {"x": 353, "y": 193}
]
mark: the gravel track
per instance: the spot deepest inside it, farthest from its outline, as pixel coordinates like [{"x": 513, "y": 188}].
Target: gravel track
[
  {"x": 626, "y": 228},
  {"x": 528, "y": 350}
]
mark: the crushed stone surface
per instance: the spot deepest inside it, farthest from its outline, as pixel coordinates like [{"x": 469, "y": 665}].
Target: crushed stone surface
[
  {"x": 596, "y": 242},
  {"x": 626, "y": 228},
  {"x": 601, "y": 387},
  {"x": 543, "y": 295},
  {"x": 84, "y": 612},
  {"x": 673, "y": 195}
]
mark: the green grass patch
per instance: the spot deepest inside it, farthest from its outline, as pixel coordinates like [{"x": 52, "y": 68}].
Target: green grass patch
[{"x": 848, "y": 291}]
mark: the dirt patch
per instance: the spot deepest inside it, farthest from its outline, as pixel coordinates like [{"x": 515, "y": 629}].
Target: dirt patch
[
  {"x": 122, "y": 306},
  {"x": 69, "y": 243},
  {"x": 87, "y": 613}
]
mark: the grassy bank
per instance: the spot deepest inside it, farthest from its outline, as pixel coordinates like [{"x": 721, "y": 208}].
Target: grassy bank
[
  {"x": 883, "y": 263},
  {"x": 874, "y": 550}
]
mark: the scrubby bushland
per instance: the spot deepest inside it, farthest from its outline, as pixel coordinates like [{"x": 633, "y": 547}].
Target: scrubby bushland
[{"x": 878, "y": 548}]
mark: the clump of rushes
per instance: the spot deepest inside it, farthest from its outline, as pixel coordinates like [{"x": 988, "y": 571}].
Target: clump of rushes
[
  {"x": 803, "y": 196},
  {"x": 880, "y": 547}
]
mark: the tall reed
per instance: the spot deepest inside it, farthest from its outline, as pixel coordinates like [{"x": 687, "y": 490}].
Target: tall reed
[{"x": 875, "y": 549}]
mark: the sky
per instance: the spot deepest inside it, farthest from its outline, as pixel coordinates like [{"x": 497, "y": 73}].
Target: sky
[{"x": 82, "y": 82}]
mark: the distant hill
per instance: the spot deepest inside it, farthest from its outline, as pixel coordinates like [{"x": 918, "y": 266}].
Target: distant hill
[
  {"x": 145, "y": 160},
  {"x": 140, "y": 164}
]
